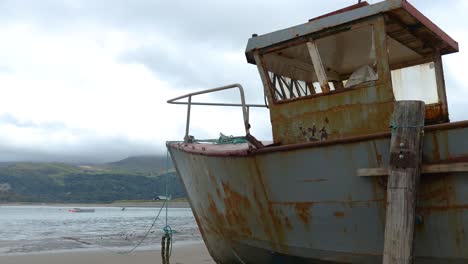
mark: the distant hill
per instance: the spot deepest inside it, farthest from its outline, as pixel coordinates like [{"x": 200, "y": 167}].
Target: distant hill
[
  {"x": 140, "y": 164},
  {"x": 134, "y": 178}
]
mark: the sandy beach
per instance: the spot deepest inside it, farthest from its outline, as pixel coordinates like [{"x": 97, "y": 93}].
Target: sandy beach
[{"x": 193, "y": 253}]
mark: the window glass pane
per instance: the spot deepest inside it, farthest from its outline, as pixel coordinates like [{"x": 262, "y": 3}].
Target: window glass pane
[{"x": 416, "y": 83}]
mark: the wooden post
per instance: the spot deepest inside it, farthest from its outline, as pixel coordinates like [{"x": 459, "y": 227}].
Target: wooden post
[{"x": 405, "y": 161}]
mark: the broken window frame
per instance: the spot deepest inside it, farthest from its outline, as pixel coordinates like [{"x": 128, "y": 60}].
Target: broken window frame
[
  {"x": 373, "y": 22},
  {"x": 435, "y": 112}
]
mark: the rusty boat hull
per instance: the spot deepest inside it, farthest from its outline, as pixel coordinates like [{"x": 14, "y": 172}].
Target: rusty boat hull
[{"x": 304, "y": 203}]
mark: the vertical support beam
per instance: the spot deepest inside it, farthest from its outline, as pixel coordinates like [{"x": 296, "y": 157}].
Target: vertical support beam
[
  {"x": 311, "y": 87},
  {"x": 267, "y": 89},
  {"x": 318, "y": 66},
  {"x": 381, "y": 53},
  {"x": 441, "y": 91},
  {"x": 404, "y": 171},
  {"x": 187, "y": 124}
]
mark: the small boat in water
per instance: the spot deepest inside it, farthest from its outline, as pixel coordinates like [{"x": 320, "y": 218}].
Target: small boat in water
[
  {"x": 81, "y": 210},
  {"x": 333, "y": 86}
]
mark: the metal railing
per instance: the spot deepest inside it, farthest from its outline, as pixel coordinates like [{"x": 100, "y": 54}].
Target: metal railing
[{"x": 189, "y": 103}]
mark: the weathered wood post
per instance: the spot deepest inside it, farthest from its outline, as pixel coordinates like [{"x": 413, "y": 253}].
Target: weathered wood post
[{"x": 404, "y": 170}]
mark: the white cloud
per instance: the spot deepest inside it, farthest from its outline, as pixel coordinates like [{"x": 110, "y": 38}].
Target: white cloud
[{"x": 101, "y": 71}]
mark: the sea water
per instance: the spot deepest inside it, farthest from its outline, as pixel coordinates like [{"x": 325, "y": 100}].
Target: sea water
[{"x": 25, "y": 229}]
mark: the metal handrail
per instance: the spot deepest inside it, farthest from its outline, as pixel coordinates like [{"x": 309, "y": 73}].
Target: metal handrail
[{"x": 245, "y": 107}]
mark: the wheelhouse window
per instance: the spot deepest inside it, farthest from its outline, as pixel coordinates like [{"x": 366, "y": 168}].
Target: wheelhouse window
[
  {"x": 332, "y": 63},
  {"x": 416, "y": 83}
]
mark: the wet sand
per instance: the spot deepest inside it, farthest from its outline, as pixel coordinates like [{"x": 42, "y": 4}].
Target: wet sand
[{"x": 195, "y": 253}]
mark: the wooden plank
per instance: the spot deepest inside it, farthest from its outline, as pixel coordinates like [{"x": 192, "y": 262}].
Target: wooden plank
[
  {"x": 439, "y": 72},
  {"x": 425, "y": 169},
  {"x": 405, "y": 161},
  {"x": 318, "y": 66}
]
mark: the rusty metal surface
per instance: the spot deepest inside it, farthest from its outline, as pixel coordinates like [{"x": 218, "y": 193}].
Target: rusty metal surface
[
  {"x": 363, "y": 109},
  {"x": 242, "y": 150},
  {"x": 307, "y": 202},
  {"x": 450, "y": 44}
]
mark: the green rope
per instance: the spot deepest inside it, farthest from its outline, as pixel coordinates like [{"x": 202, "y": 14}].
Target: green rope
[
  {"x": 394, "y": 127},
  {"x": 168, "y": 231},
  {"x": 223, "y": 139}
]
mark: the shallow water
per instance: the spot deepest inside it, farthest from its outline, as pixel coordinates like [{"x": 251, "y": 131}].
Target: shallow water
[{"x": 25, "y": 229}]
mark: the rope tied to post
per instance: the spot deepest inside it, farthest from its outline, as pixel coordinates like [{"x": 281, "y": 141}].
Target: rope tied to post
[
  {"x": 166, "y": 241},
  {"x": 166, "y": 244},
  {"x": 394, "y": 127}
]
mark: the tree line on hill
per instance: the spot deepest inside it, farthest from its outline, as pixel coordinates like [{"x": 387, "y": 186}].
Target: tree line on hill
[{"x": 64, "y": 183}]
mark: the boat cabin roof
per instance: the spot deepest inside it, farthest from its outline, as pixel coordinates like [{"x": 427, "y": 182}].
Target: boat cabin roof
[{"x": 411, "y": 33}]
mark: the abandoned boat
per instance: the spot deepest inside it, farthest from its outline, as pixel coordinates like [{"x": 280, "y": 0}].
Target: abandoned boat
[{"x": 332, "y": 85}]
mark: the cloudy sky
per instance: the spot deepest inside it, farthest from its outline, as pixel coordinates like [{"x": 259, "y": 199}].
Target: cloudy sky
[{"x": 87, "y": 80}]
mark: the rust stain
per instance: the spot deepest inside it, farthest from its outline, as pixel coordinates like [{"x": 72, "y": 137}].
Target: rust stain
[
  {"x": 435, "y": 147},
  {"x": 302, "y": 211},
  {"x": 346, "y": 202},
  {"x": 315, "y": 180},
  {"x": 237, "y": 208},
  {"x": 436, "y": 193},
  {"x": 434, "y": 114},
  {"x": 455, "y": 159},
  {"x": 378, "y": 157},
  {"x": 218, "y": 217},
  {"x": 442, "y": 208},
  {"x": 261, "y": 210},
  {"x": 274, "y": 229},
  {"x": 339, "y": 214},
  {"x": 288, "y": 223},
  {"x": 349, "y": 201}
]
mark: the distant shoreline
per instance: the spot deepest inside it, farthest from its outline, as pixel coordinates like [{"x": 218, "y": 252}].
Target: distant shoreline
[{"x": 172, "y": 204}]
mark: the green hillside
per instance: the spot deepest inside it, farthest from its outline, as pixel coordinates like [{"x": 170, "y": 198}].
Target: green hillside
[
  {"x": 153, "y": 164},
  {"x": 58, "y": 182}
]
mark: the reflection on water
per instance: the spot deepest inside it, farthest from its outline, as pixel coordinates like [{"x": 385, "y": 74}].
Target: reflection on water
[{"x": 43, "y": 228}]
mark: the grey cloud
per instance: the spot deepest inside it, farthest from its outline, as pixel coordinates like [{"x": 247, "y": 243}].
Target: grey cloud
[
  {"x": 199, "y": 31},
  {"x": 90, "y": 147},
  {"x": 165, "y": 65},
  {"x": 99, "y": 150},
  {"x": 199, "y": 67},
  {"x": 212, "y": 21},
  {"x": 12, "y": 120}
]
